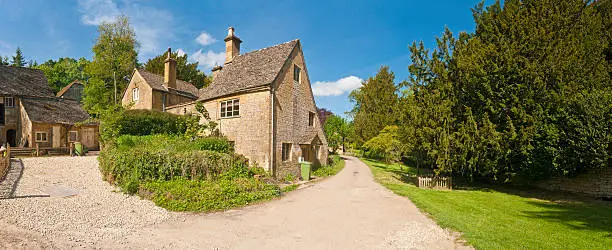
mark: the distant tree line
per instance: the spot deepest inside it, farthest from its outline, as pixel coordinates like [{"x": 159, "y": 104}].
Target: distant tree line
[{"x": 525, "y": 96}]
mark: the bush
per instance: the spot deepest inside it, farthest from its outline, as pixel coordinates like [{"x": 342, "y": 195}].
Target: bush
[
  {"x": 334, "y": 166},
  {"x": 205, "y": 196},
  {"x": 143, "y": 122},
  {"x": 136, "y": 159}
]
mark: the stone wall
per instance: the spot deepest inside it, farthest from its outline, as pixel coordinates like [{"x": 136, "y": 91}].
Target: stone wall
[
  {"x": 294, "y": 101},
  {"x": 597, "y": 183}
]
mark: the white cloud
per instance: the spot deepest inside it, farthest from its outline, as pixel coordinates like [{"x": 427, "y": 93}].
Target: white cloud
[
  {"x": 205, "y": 39},
  {"x": 153, "y": 27},
  {"x": 336, "y": 88},
  {"x": 180, "y": 52},
  {"x": 208, "y": 59}
]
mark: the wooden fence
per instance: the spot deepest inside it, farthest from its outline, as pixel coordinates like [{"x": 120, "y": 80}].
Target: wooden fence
[
  {"x": 5, "y": 161},
  {"x": 40, "y": 151},
  {"x": 436, "y": 182}
]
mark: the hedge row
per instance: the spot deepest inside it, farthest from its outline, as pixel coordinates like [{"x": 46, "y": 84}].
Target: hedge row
[
  {"x": 174, "y": 143},
  {"x": 143, "y": 122}
]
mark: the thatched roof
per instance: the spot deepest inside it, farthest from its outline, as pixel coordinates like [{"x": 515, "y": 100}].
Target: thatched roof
[
  {"x": 20, "y": 81},
  {"x": 54, "y": 110},
  {"x": 157, "y": 83},
  {"x": 253, "y": 69}
]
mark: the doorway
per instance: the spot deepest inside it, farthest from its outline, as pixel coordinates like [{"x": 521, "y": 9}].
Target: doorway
[{"x": 11, "y": 137}]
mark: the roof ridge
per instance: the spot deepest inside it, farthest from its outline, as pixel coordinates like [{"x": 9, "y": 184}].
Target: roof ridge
[{"x": 269, "y": 47}]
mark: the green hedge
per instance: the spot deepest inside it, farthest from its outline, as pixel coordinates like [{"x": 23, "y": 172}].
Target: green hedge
[
  {"x": 143, "y": 122},
  {"x": 173, "y": 143},
  {"x": 134, "y": 159}
]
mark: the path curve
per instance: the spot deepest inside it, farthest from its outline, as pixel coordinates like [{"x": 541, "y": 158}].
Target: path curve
[{"x": 346, "y": 211}]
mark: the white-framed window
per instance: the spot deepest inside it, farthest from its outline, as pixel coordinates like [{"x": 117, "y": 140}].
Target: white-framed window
[
  {"x": 296, "y": 73},
  {"x": 41, "y": 136},
  {"x": 9, "y": 102},
  {"x": 230, "y": 108},
  {"x": 73, "y": 136},
  {"x": 286, "y": 151},
  {"x": 135, "y": 94}
]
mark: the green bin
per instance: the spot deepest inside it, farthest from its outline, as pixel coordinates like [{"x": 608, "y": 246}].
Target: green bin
[
  {"x": 306, "y": 168},
  {"x": 78, "y": 148}
]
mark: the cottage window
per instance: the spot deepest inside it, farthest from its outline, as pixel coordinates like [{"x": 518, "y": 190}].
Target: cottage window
[
  {"x": 73, "y": 136},
  {"x": 286, "y": 152},
  {"x": 135, "y": 95},
  {"x": 230, "y": 108},
  {"x": 9, "y": 102},
  {"x": 41, "y": 136},
  {"x": 311, "y": 117},
  {"x": 296, "y": 73}
]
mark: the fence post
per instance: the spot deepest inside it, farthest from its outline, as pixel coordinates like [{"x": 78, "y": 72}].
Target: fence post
[
  {"x": 37, "y": 150},
  {"x": 8, "y": 150}
]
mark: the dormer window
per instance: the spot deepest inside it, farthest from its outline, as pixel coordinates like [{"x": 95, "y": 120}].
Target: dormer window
[
  {"x": 135, "y": 95},
  {"x": 296, "y": 73}
]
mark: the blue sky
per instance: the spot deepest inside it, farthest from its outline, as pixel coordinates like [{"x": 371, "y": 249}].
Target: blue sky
[{"x": 344, "y": 41}]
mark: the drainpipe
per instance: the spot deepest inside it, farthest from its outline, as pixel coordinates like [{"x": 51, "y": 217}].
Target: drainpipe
[{"x": 272, "y": 158}]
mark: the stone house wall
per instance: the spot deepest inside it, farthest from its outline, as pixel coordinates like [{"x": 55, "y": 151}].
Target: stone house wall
[
  {"x": 11, "y": 119},
  {"x": 294, "y": 101},
  {"x": 597, "y": 183},
  {"x": 250, "y": 132},
  {"x": 145, "y": 94}
]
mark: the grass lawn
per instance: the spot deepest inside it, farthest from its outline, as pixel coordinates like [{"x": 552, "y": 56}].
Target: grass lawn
[{"x": 507, "y": 218}]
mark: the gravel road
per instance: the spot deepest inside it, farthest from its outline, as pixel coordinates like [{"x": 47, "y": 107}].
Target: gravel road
[{"x": 62, "y": 202}]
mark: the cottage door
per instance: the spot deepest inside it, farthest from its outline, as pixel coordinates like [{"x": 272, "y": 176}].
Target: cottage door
[
  {"x": 57, "y": 136},
  {"x": 307, "y": 152},
  {"x": 88, "y": 137}
]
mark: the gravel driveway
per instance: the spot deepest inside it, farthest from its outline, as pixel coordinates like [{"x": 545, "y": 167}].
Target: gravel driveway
[{"x": 62, "y": 202}]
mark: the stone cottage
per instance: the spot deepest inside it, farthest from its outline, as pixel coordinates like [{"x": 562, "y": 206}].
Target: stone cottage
[
  {"x": 31, "y": 114},
  {"x": 262, "y": 101}
]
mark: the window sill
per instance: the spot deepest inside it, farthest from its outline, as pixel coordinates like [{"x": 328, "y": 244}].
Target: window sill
[{"x": 231, "y": 117}]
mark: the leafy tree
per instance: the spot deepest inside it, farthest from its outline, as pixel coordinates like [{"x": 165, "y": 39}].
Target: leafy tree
[
  {"x": 185, "y": 70},
  {"x": 526, "y": 96},
  {"x": 64, "y": 71},
  {"x": 337, "y": 130},
  {"x": 385, "y": 145},
  {"x": 4, "y": 61},
  {"x": 323, "y": 115},
  {"x": 376, "y": 103},
  {"x": 18, "y": 59},
  {"x": 114, "y": 60}
]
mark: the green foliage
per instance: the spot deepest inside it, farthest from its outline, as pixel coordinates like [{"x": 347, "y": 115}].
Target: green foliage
[
  {"x": 207, "y": 196},
  {"x": 289, "y": 188},
  {"x": 129, "y": 166},
  {"x": 334, "y": 165},
  {"x": 376, "y": 104},
  {"x": 338, "y": 131},
  {"x": 385, "y": 145},
  {"x": 179, "y": 143},
  {"x": 4, "y": 61},
  {"x": 64, "y": 71},
  {"x": 185, "y": 70},
  {"x": 114, "y": 60},
  {"x": 290, "y": 177},
  {"x": 18, "y": 59},
  {"x": 505, "y": 218},
  {"x": 142, "y": 122},
  {"x": 513, "y": 101}
]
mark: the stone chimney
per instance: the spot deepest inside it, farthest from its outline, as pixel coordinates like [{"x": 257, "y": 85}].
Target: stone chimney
[
  {"x": 232, "y": 46},
  {"x": 170, "y": 71},
  {"x": 215, "y": 71}
]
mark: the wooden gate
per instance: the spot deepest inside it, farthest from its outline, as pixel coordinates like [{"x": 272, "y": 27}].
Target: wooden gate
[{"x": 88, "y": 138}]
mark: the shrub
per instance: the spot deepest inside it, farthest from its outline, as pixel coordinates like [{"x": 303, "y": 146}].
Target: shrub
[
  {"x": 174, "y": 143},
  {"x": 334, "y": 166},
  {"x": 132, "y": 162},
  {"x": 143, "y": 122},
  {"x": 205, "y": 196}
]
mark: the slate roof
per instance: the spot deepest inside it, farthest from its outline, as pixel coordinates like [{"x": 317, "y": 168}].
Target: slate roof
[
  {"x": 253, "y": 69},
  {"x": 20, "y": 81},
  {"x": 64, "y": 89},
  {"x": 54, "y": 110},
  {"x": 157, "y": 82}
]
